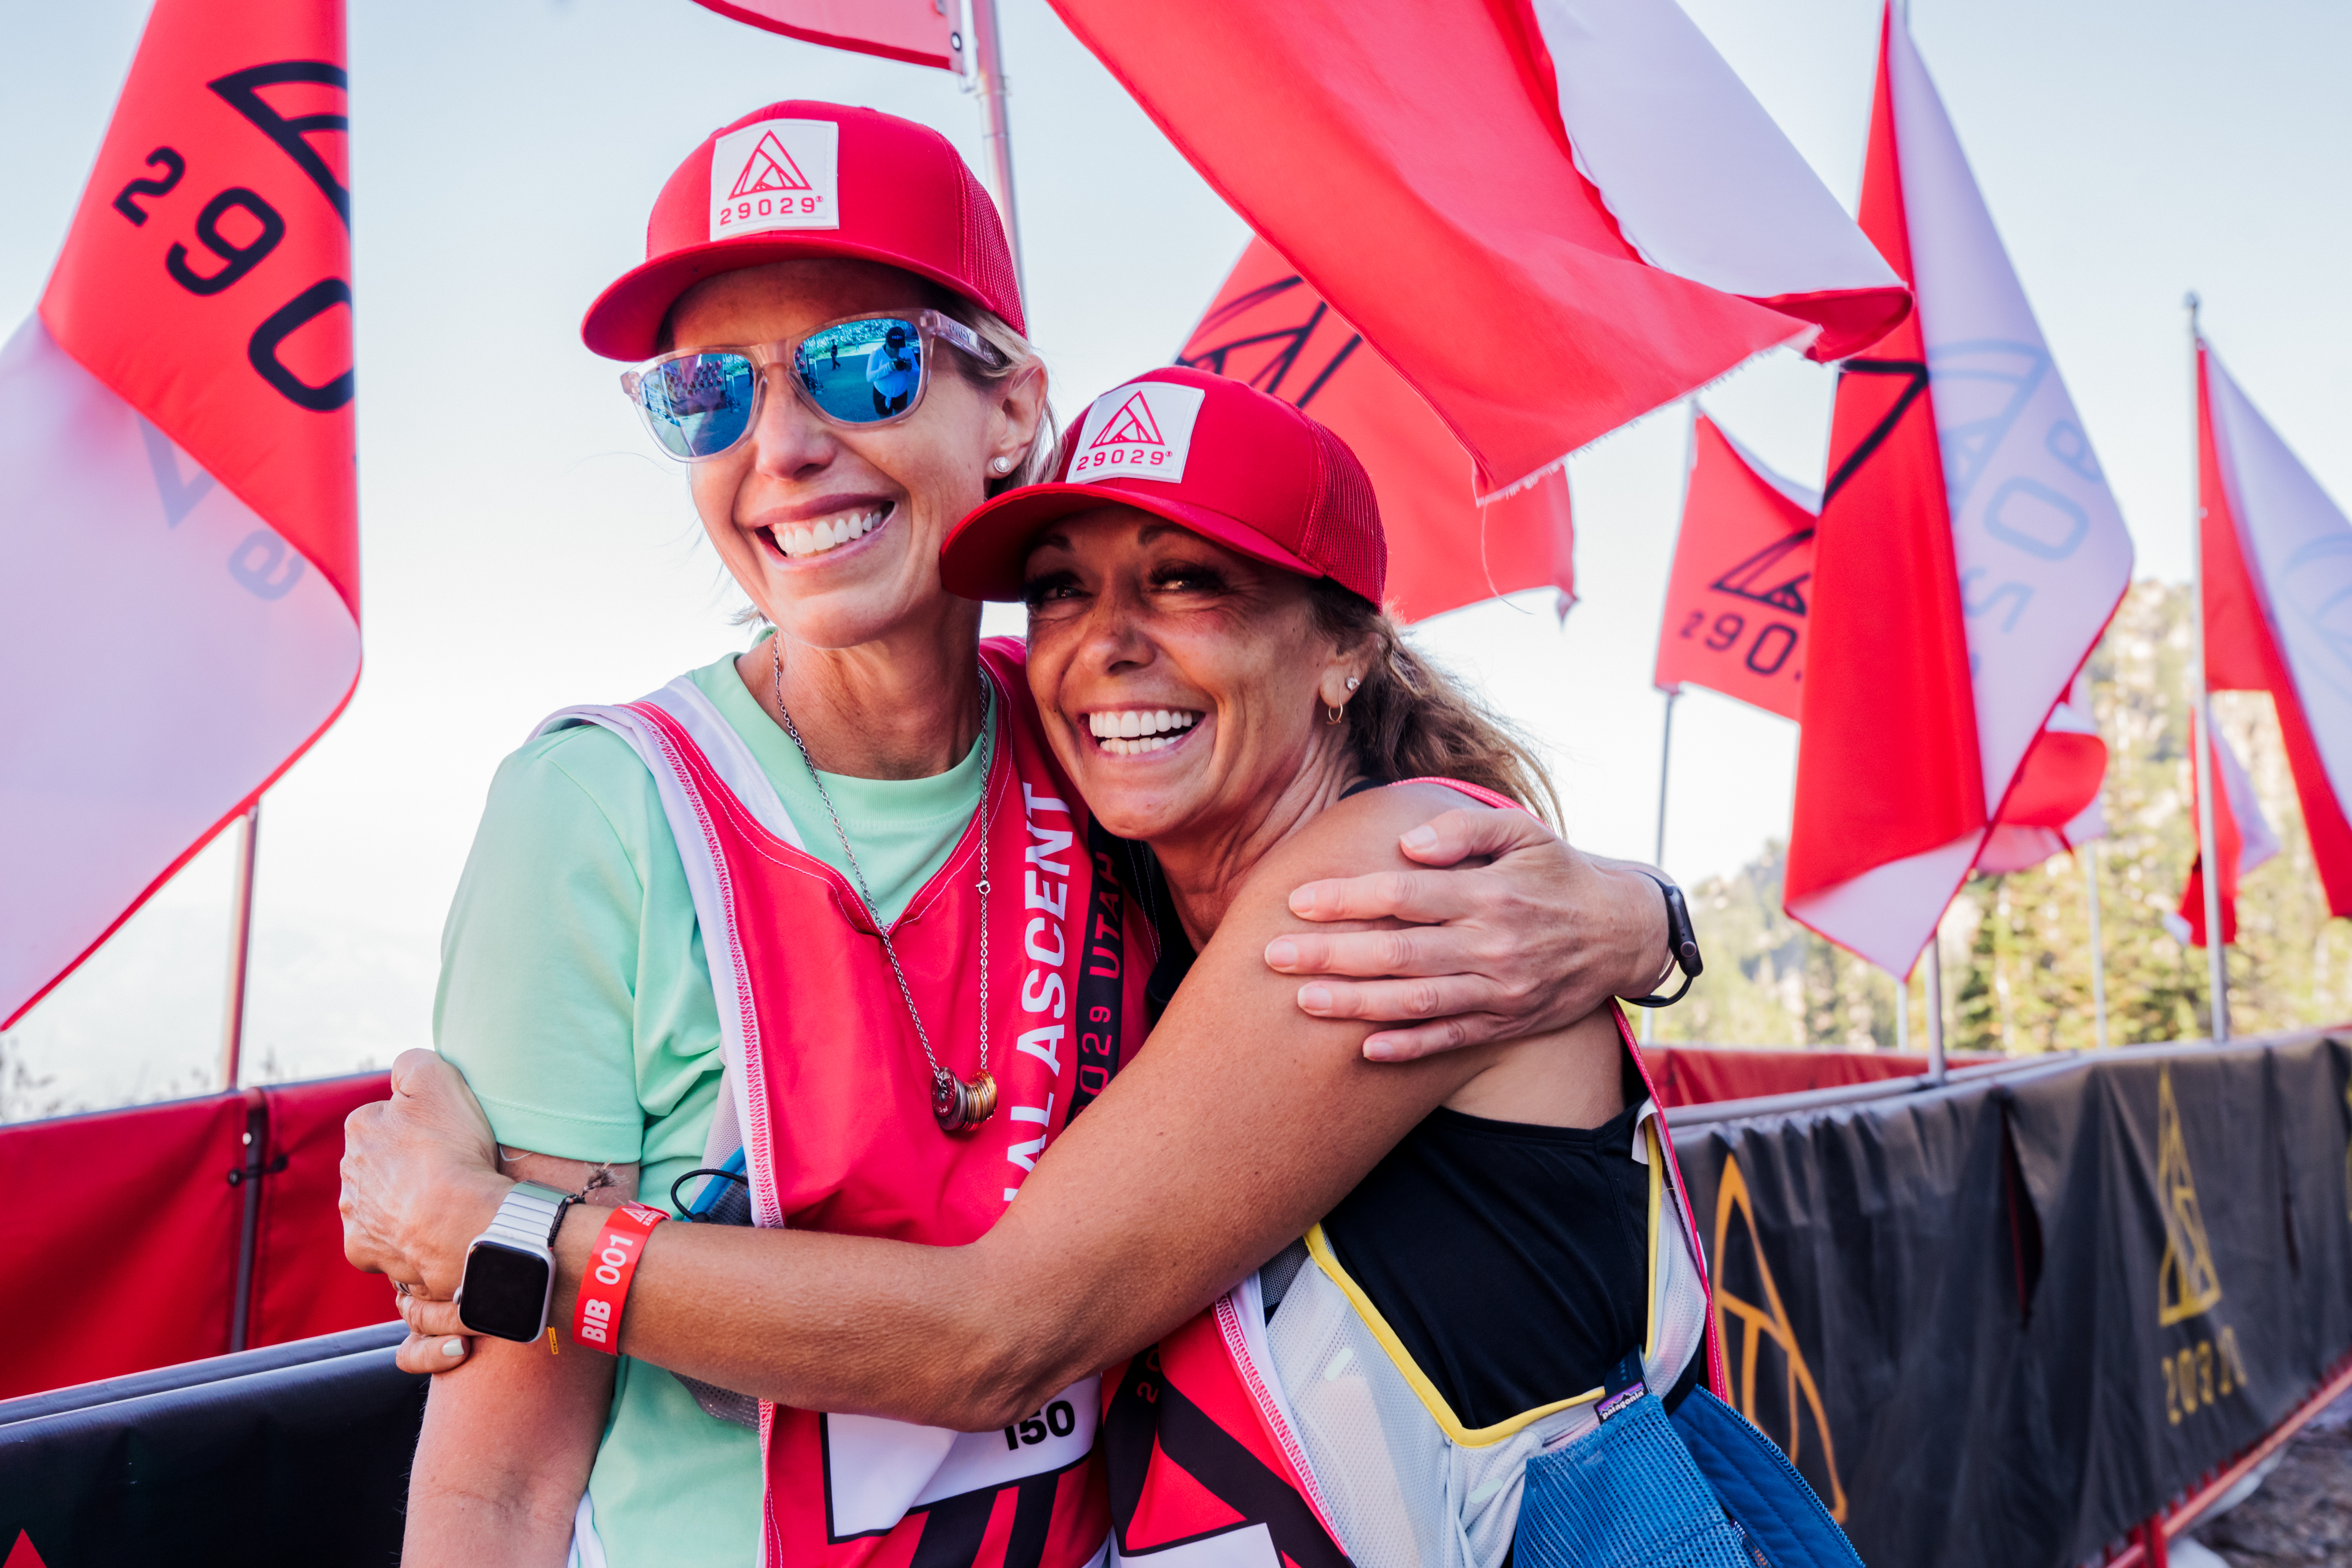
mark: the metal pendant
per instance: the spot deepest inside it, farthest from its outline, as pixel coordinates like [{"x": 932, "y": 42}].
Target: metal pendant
[{"x": 958, "y": 1106}]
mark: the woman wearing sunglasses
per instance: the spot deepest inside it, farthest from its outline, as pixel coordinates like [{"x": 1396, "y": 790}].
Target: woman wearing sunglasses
[{"x": 831, "y": 914}]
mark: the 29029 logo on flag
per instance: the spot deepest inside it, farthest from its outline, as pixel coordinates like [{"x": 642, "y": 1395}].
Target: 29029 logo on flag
[
  {"x": 776, "y": 173},
  {"x": 176, "y": 444},
  {"x": 1139, "y": 431}
]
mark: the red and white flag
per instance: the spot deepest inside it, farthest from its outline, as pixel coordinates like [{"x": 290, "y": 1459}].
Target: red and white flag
[
  {"x": 920, "y": 32},
  {"x": 2053, "y": 808},
  {"x": 1968, "y": 557},
  {"x": 179, "y": 535},
  {"x": 1734, "y": 624},
  {"x": 2242, "y": 840},
  {"x": 1551, "y": 216},
  {"x": 1735, "y": 598},
  {"x": 1269, "y": 328},
  {"x": 2277, "y": 571}
]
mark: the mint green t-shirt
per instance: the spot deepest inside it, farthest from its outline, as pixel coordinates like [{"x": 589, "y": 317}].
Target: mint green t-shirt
[{"x": 575, "y": 999}]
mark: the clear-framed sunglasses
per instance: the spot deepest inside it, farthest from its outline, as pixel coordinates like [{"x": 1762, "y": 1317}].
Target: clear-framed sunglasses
[{"x": 861, "y": 371}]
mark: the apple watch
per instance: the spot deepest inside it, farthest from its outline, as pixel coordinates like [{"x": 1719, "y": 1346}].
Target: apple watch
[{"x": 510, "y": 1272}]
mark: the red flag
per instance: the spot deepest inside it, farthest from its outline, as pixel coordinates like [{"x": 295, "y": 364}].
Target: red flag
[
  {"x": 2276, "y": 559},
  {"x": 179, "y": 574},
  {"x": 1743, "y": 570},
  {"x": 2242, "y": 840},
  {"x": 2053, "y": 808},
  {"x": 920, "y": 32},
  {"x": 1734, "y": 624},
  {"x": 1269, "y": 327},
  {"x": 1551, "y": 216},
  {"x": 1969, "y": 555}
]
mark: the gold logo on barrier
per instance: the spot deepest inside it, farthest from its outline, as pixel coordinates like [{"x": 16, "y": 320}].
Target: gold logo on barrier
[
  {"x": 2185, "y": 1283},
  {"x": 1769, "y": 1321}
]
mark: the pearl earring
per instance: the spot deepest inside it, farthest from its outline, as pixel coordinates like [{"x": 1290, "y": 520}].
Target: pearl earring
[{"x": 1001, "y": 465}]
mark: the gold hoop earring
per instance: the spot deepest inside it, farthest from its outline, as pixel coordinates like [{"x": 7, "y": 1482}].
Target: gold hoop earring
[{"x": 1333, "y": 715}]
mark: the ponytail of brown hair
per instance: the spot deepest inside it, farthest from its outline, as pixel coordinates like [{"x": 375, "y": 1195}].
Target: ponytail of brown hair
[{"x": 1411, "y": 720}]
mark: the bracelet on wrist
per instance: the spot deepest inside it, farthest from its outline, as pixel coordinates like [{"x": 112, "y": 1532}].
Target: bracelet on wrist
[
  {"x": 1682, "y": 947},
  {"x": 612, "y": 1267},
  {"x": 602, "y": 1178}
]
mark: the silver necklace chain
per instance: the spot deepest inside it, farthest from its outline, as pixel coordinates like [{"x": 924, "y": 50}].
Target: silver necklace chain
[{"x": 987, "y": 702}]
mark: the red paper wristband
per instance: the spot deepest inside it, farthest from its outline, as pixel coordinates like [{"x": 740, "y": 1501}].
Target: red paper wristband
[{"x": 605, "y": 1286}]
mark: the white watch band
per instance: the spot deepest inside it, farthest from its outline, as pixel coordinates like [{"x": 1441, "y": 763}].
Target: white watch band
[{"x": 525, "y": 1216}]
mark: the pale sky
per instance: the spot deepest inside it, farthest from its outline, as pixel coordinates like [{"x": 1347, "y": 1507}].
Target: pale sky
[{"x": 526, "y": 554}]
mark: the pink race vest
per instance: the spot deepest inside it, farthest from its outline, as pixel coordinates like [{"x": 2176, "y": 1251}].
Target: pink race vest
[{"x": 831, "y": 1097}]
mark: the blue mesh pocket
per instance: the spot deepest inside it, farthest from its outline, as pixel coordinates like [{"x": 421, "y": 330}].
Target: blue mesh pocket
[
  {"x": 1627, "y": 1495},
  {"x": 1778, "y": 1512}
]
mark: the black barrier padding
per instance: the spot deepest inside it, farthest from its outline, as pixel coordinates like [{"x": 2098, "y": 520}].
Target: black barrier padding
[
  {"x": 2172, "y": 1329},
  {"x": 2009, "y": 1323},
  {"x": 1868, "y": 1307},
  {"x": 304, "y": 1466},
  {"x": 2314, "y": 1085},
  {"x": 211, "y": 1369}
]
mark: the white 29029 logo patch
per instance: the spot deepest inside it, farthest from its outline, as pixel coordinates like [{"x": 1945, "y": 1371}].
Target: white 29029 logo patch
[
  {"x": 1140, "y": 431},
  {"x": 777, "y": 173}
]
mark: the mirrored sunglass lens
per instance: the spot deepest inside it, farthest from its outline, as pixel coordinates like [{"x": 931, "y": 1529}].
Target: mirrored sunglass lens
[
  {"x": 700, "y": 403},
  {"x": 860, "y": 372}
]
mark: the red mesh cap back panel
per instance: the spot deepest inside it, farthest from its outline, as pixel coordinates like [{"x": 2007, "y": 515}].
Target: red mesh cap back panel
[{"x": 1344, "y": 535}]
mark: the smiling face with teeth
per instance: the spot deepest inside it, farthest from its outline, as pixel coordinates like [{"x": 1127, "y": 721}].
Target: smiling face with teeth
[
  {"x": 834, "y": 530},
  {"x": 1184, "y": 686}
]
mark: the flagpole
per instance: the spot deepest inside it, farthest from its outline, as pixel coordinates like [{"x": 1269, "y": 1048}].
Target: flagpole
[
  {"x": 2217, "y": 968},
  {"x": 1658, "y": 858},
  {"x": 1936, "y": 1006},
  {"x": 996, "y": 127},
  {"x": 240, "y": 947},
  {"x": 2098, "y": 948}
]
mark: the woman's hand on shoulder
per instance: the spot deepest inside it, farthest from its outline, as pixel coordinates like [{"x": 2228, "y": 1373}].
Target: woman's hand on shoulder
[
  {"x": 420, "y": 1177},
  {"x": 1509, "y": 932}
]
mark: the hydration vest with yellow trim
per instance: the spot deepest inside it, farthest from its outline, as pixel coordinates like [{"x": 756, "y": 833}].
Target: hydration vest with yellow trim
[
  {"x": 1307, "y": 1436},
  {"x": 828, "y": 1096}
]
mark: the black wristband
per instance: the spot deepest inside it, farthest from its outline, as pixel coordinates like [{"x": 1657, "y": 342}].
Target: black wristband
[
  {"x": 1682, "y": 946},
  {"x": 602, "y": 1178}
]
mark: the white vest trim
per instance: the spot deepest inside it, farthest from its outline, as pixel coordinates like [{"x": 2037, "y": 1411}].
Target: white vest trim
[
  {"x": 688, "y": 814},
  {"x": 1398, "y": 1477}
]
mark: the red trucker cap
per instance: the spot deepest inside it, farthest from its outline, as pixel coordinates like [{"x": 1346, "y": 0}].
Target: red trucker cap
[
  {"x": 1207, "y": 452},
  {"x": 802, "y": 178}
]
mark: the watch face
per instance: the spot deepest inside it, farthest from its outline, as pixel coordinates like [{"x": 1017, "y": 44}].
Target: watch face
[{"x": 505, "y": 1292}]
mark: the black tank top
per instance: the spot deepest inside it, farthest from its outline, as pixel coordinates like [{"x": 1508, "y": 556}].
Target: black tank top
[{"x": 1511, "y": 1260}]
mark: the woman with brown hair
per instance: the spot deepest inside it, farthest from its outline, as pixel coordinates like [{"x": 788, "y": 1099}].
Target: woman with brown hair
[{"x": 1203, "y": 590}]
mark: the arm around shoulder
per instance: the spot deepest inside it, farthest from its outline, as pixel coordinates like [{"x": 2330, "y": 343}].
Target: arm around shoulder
[
  {"x": 1237, "y": 1126},
  {"x": 1514, "y": 933}
]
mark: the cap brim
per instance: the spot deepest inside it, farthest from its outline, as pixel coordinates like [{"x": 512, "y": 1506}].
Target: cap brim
[
  {"x": 985, "y": 554},
  {"x": 626, "y": 318}
]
